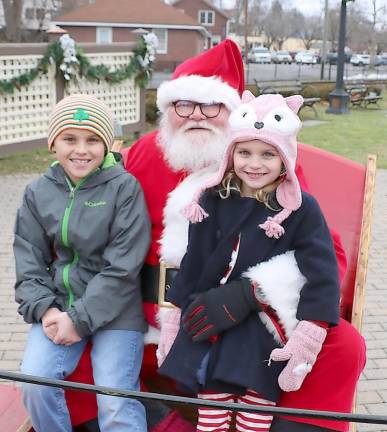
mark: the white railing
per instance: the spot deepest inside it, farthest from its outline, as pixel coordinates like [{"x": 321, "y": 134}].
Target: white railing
[
  {"x": 123, "y": 99},
  {"x": 24, "y": 113}
]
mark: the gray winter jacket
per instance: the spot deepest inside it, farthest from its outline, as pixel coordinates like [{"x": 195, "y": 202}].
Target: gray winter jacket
[{"x": 80, "y": 248}]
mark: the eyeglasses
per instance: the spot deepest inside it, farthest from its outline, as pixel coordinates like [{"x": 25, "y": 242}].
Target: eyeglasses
[{"x": 185, "y": 108}]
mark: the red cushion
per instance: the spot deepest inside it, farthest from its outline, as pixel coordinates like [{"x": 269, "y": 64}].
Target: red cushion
[
  {"x": 12, "y": 412},
  {"x": 338, "y": 185}
]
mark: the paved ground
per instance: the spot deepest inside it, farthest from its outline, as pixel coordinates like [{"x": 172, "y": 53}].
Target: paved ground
[{"x": 372, "y": 395}]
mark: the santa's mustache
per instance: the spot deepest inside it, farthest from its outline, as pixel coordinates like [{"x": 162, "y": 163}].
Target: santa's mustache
[{"x": 201, "y": 124}]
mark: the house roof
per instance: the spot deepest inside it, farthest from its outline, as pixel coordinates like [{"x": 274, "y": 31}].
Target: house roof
[
  {"x": 127, "y": 12},
  {"x": 209, "y": 4}
]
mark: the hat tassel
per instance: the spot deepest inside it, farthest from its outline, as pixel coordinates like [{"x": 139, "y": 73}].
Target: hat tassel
[
  {"x": 273, "y": 227},
  {"x": 194, "y": 212}
]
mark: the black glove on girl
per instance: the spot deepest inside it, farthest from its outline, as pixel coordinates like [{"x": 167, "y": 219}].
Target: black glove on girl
[{"x": 220, "y": 308}]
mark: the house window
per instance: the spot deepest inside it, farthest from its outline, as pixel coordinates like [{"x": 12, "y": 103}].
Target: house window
[
  {"x": 162, "y": 36},
  {"x": 207, "y": 17},
  {"x": 40, "y": 14},
  {"x": 30, "y": 13},
  {"x": 104, "y": 35}
]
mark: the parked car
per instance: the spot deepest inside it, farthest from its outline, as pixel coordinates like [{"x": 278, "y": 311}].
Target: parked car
[
  {"x": 293, "y": 54},
  {"x": 360, "y": 59},
  {"x": 305, "y": 57},
  {"x": 281, "y": 57},
  {"x": 381, "y": 59},
  {"x": 332, "y": 58},
  {"x": 259, "y": 55}
]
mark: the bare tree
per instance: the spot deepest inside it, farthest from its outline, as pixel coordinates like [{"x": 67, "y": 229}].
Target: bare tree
[
  {"x": 44, "y": 10},
  {"x": 64, "y": 6},
  {"x": 381, "y": 40},
  {"x": 308, "y": 29},
  {"x": 378, "y": 13},
  {"x": 257, "y": 13},
  {"x": 279, "y": 24},
  {"x": 13, "y": 19},
  {"x": 359, "y": 29},
  {"x": 237, "y": 19},
  {"x": 379, "y": 10},
  {"x": 333, "y": 27}
]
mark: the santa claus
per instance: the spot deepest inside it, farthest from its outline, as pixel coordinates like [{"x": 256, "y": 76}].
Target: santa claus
[{"x": 171, "y": 164}]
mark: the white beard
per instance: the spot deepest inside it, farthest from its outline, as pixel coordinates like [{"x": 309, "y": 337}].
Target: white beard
[{"x": 192, "y": 150}]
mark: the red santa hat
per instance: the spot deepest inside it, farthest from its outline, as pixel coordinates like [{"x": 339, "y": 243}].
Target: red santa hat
[{"x": 214, "y": 76}]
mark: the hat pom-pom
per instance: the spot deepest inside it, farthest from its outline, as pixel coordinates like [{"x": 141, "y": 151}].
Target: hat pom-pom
[
  {"x": 272, "y": 228},
  {"x": 193, "y": 212}
]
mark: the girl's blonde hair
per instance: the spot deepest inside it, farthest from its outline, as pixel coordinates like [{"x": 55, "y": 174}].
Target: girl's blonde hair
[{"x": 266, "y": 195}]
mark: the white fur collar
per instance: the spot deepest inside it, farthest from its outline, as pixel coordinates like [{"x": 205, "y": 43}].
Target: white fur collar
[{"x": 174, "y": 239}]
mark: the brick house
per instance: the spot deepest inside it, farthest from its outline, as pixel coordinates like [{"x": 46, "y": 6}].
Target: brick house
[
  {"x": 107, "y": 21},
  {"x": 215, "y": 20}
]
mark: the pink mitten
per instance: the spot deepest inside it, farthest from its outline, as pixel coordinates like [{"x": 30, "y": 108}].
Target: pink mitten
[
  {"x": 301, "y": 350},
  {"x": 169, "y": 327}
]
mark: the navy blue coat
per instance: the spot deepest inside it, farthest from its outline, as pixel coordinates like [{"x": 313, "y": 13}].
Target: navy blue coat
[{"x": 238, "y": 358}]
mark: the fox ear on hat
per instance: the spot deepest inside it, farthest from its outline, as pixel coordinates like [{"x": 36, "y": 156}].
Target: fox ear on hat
[
  {"x": 294, "y": 102},
  {"x": 247, "y": 96}
]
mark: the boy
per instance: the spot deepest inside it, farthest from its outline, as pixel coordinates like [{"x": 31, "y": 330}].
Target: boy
[{"x": 81, "y": 236}]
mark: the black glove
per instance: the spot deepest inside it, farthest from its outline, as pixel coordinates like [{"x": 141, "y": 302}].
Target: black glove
[{"x": 219, "y": 309}]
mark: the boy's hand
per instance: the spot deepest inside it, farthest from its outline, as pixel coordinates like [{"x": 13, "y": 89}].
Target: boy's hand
[
  {"x": 50, "y": 330},
  {"x": 66, "y": 333}
]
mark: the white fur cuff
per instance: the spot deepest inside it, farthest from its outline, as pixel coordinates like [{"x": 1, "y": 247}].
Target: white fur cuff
[{"x": 280, "y": 281}]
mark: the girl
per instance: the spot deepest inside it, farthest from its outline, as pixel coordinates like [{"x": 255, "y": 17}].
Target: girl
[
  {"x": 81, "y": 236},
  {"x": 258, "y": 286}
]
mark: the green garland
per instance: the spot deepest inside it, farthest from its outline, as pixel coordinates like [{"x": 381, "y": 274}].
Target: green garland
[{"x": 101, "y": 72}]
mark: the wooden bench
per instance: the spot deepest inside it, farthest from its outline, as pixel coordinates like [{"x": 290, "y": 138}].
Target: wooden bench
[
  {"x": 372, "y": 98},
  {"x": 287, "y": 88},
  {"x": 360, "y": 95}
]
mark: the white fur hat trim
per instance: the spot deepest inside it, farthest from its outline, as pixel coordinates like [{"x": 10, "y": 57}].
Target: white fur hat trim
[{"x": 197, "y": 88}]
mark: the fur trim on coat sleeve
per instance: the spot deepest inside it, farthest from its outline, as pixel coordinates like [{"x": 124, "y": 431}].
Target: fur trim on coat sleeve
[{"x": 280, "y": 282}]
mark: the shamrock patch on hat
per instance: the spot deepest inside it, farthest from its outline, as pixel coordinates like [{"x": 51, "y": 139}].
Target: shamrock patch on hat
[{"x": 80, "y": 114}]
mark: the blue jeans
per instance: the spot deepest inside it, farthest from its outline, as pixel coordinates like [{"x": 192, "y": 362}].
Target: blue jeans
[{"x": 116, "y": 358}]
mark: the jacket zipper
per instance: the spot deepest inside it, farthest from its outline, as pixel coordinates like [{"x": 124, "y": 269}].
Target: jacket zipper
[{"x": 65, "y": 241}]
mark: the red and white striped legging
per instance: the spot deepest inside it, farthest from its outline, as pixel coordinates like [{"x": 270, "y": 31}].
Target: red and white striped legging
[{"x": 213, "y": 420}]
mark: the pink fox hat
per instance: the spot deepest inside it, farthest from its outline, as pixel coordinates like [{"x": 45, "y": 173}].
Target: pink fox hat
[
  {"x": 272, "y": 119},
  {"x": 81, "y": 111},
  {"x": 214, "y": 76}
]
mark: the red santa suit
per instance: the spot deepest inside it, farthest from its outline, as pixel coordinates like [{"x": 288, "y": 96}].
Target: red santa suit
[{"x": 217, "y": 76}]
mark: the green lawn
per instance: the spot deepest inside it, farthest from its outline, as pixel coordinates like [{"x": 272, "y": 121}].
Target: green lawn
[
  {"x": 355, "y": 135},
  {"x": 35, "y": 161}
]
